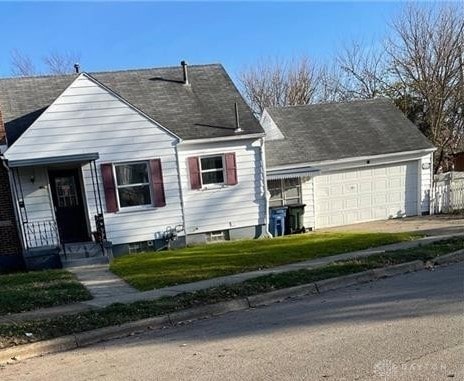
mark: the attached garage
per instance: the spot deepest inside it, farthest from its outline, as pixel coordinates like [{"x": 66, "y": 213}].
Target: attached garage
[
  {"x": 367, "y": 194},
  {"x": 362, "y": 161}
]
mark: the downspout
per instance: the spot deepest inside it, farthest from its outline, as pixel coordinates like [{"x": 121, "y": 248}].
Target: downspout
[
  {"x": 14, "y": 198},
  {"x": 181, "y": 193},
  {"x": 263, "y": 169}
]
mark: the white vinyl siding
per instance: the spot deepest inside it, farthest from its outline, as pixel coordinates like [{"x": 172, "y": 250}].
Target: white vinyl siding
[
  {"x": 365, "y": 194},
  {"x": 307, "y": 190},
  {"x": 35, "y": 190},
  {"x": 224, "y": 207},
  {"x": 85, "y": 119}
]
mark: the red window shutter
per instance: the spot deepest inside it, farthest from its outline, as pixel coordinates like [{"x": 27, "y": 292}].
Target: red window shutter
[
  {"x": 157, "y": 182},
  {"x": 231, "y": 169},
  {"x": 109, "y": 187},
  {"x": 194, "y": 172}
]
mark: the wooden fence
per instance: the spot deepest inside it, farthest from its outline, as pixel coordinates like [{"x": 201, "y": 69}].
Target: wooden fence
[{"x": 448, "y": 193}]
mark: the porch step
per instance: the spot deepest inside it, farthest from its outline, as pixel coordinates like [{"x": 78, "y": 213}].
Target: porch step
[
  {"x": 84, "y": 261},
  {"x": 80, "y": 250}
]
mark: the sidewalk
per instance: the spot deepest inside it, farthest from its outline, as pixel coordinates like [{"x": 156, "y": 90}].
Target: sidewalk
[{"x": 123, "y": 293}]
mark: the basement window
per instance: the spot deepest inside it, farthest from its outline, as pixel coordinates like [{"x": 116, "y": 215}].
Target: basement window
[{"x": 216, "y": 236}]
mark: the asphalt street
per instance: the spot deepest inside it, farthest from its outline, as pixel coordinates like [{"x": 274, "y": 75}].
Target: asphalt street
[{"x": 409, "y": 327}]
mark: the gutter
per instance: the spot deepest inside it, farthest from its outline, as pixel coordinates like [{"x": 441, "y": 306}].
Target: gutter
[
  {"x": 181, "y": 193},
  {"x": 351, "y": 159},
  {"x": 263, "y": 168},
  {"x": 223, "y": 139}
]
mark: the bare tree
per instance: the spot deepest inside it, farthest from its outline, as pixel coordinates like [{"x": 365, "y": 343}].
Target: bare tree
[
  {"x": 365, "y": 72},
  {"x": 55, "y": 63},
  {"x": 276, "y": 82},
  {"x": 21, "y": 64},
  {"x": 60, "y": 63},
  {"x": 427, "y": 53},
  {"x": 356, "y": 74}
]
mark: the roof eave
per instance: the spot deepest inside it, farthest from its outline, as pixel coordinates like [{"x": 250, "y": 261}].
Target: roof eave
[
  {"x": 224, "y": 138},
  {"x": 392, "y": 155}
]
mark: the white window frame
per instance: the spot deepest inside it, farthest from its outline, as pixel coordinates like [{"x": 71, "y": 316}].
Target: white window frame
[
  {"x": 221, "y": 184},
  {"x": 117, "y": 186},
  {"x": 283, "y": 199}
]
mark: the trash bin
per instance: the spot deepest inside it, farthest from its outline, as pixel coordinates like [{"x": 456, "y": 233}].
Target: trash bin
[
  {"x": 277, "y": 221},
  {"x": 294, "y": 220}
]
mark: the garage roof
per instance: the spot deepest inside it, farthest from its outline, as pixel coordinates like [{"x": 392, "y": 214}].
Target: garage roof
[{"x": 331, "y": 131}]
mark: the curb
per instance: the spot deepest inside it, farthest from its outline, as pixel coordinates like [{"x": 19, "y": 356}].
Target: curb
[
  {"x": 206, "y": 311},
  {"x": 345, "y": 281},
  {"x": 114, "y": 332},
  {"x": 280, "y": 295},
  {"x": 39, "y": 348},
  {"x": 83, "y": 339},
  {"x": 457, "y": 256},
  {"x": 403, "y": 268}
]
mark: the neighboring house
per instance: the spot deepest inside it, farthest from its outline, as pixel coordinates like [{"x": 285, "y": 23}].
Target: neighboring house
[
  {"x": 347, "y": 162},
  {"x": 129, "y": 156},
  {"x": 10, "y": 246}
]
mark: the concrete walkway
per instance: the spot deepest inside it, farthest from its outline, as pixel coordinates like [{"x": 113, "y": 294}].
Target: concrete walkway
[
  {"x": 434, "y": 225},
  {"x": 100, "y": 280}
]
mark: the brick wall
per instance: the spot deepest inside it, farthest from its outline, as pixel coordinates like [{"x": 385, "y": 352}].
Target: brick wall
[
  {"x": 2, "y": 130},
  {"x": 10, "y": 247}
]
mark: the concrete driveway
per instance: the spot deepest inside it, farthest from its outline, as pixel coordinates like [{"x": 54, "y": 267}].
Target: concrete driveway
[
  {"x": 410, "y": 327},
  {"x": 431, "y": 225}
]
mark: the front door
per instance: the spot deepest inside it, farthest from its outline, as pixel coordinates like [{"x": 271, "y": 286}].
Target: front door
[{"x": 69, "y": 207}]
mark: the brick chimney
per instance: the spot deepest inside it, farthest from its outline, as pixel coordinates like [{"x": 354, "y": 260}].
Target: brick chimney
[{"x": 2, "y": 129}]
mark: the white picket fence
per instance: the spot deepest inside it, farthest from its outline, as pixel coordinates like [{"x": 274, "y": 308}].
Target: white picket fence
[{"x": 448, "y": 193}]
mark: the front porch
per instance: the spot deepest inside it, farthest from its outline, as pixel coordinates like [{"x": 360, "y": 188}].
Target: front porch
[{"x": 60, "y": 211}]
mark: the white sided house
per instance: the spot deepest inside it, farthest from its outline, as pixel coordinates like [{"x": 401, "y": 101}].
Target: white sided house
[
  {"x": 346, "y": 163},
  {"x": 132, "y": 157}
]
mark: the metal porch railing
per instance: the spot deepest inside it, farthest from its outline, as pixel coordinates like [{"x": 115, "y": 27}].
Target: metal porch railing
[{"x": 41, "y": 233}]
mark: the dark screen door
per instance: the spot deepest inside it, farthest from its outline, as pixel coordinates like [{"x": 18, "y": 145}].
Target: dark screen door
[{"x": 69, "y": 206}]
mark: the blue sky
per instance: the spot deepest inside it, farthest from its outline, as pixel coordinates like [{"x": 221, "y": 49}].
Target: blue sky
[{"x": 131, "y": 35}]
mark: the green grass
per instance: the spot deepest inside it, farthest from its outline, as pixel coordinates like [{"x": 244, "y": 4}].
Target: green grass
[
  {"x": 39, "y": 289},
  {"x": 151, "y": 270},
  {"x": 15, "y": 334}
]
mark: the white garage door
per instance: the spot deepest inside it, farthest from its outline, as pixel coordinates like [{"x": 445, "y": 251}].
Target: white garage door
[{"x": 376, "y": 193}]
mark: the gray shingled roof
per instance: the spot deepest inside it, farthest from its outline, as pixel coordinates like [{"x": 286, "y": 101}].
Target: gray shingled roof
[
  {"x": 205, "y": 109},
  {"x": 333, "y": 131}
]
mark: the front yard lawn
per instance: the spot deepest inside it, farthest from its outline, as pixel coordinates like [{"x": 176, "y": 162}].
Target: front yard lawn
[
  {"x": 14, "y": 334},
  {"x": 39, "y": 289},
  {"x": 147, "y": 271}
]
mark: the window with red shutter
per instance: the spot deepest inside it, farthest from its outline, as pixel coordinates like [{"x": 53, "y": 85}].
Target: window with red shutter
[
  {"x": 231, "y": 168},
  {"x": 212, "y": 170},
  {"x": 157, "y": 182},
  {"x": 109, "y": 188},
  {"x": 194, "y": 172}
]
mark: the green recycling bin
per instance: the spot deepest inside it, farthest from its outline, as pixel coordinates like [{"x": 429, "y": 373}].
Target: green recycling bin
[{"x": 294, "y": 219}]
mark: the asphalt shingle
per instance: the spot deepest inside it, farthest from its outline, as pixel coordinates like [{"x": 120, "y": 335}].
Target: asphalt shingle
[
  {"x": 204, "y": 109},
  {"x": 331, "y": 131}
]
